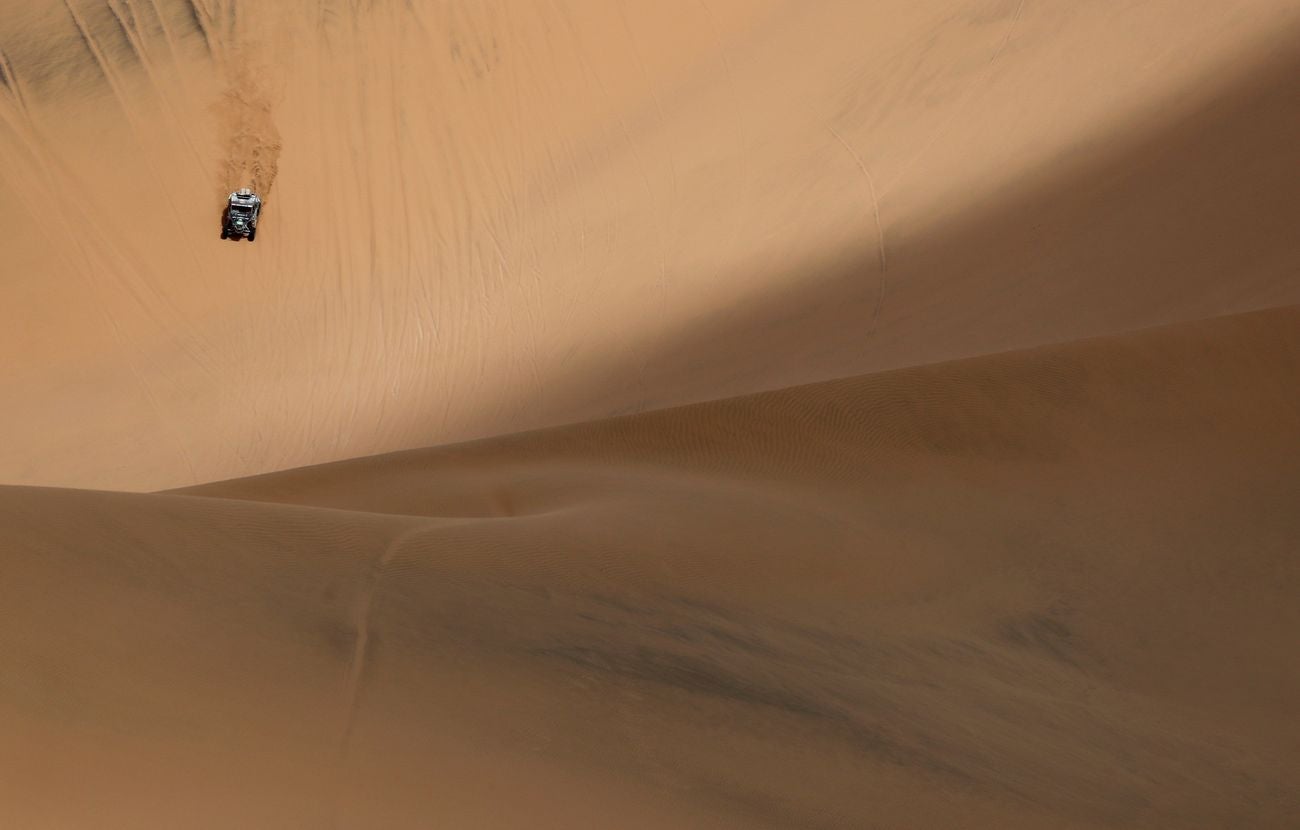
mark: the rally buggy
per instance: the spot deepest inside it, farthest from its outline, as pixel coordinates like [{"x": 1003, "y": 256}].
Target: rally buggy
[{"x": 240, "y": 216}]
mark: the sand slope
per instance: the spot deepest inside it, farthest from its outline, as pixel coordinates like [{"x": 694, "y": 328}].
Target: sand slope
[
  {"x": 1046, "y": 588},
  {"x": 492, "y": 216},
  {"x": 883, "y": 414}
]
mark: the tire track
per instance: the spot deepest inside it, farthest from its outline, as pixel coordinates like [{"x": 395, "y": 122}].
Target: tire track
[
  {"x": 122, "y": 10},
  {"x": 147, "y": 291},
  {"x": 875, "y": 212}
]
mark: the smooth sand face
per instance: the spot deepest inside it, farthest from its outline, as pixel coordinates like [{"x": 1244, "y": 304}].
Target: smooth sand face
[
  {"x": 1054, "y": 588},
  {"x": 485, "y": 217},
  {"x": 1020, "y": 565}
]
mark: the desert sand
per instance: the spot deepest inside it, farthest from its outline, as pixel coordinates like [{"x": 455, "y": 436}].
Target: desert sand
[{"x": 716, "y": 413}]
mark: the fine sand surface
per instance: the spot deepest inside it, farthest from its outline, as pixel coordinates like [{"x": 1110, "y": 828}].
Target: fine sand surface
[
  {"x": 701, "y": 414},
  {"x": 483, "y": 217},
  {"x": 1050, "y": 588}
]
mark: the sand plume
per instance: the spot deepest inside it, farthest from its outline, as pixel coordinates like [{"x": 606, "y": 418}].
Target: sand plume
[{"x": 252, "y": 143}]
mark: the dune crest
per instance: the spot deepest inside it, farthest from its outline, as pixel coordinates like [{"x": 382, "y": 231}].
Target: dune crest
[{"x": 1040, "y": 587}]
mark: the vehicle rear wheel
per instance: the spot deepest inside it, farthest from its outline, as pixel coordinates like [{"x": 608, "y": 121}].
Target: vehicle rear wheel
[{"x": 252, "y": 234}]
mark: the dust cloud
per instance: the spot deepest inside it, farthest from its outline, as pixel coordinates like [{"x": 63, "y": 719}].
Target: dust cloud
[{"x": 246, "y": 115}]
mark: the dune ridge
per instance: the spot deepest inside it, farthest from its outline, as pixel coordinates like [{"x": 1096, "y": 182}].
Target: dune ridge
[{"x": 1043, "y": 586}]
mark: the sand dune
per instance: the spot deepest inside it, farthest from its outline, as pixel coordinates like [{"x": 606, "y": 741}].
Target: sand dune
[
  {"x": 488, "y": 217},
  {"x": 713, "y": 413},
  {"x": 1049, "y": 588}
]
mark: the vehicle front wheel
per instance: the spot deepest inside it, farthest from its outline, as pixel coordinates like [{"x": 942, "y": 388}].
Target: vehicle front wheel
[
  {"x": 252, "y": 234},
  {"x": 224, "y": 233}
]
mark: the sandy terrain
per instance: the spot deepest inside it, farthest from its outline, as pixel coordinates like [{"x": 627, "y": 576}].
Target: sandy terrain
[
  {"x": 715, "y": 413},
  {"x": 486, "y": 217},
  {"x": 1052, "y": 588}
]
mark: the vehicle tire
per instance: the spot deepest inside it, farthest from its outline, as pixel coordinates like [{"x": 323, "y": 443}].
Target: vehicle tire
[
  {"x": 252, "y": 234},
  {"x": 224, "y": 233}
]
